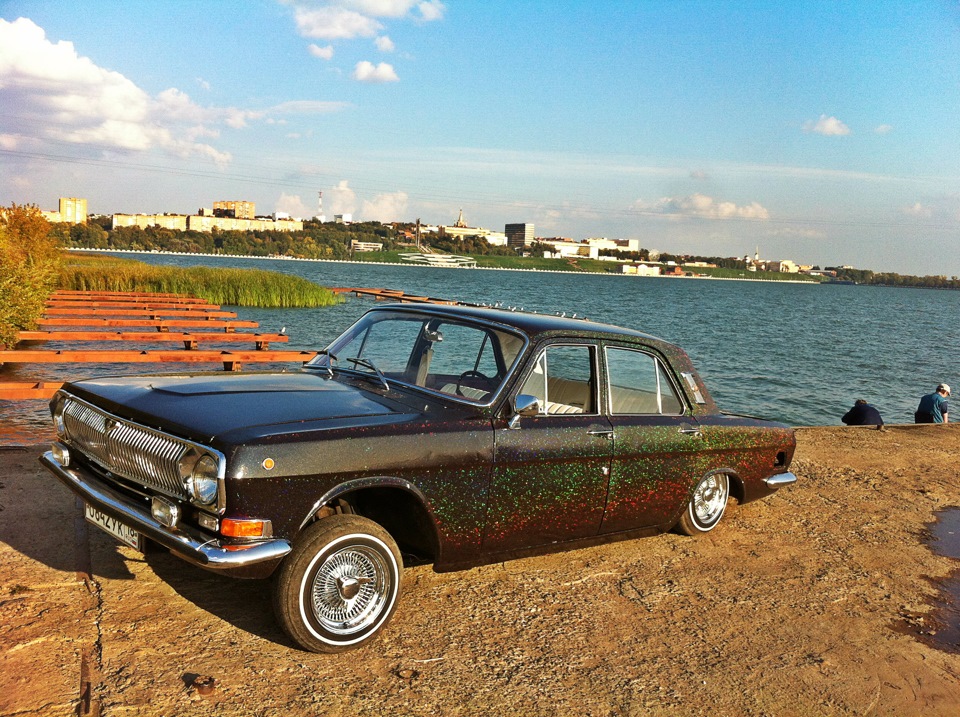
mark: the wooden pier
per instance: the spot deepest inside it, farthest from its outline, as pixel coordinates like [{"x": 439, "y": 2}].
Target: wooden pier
[
  {"x": 86, "y": 316},
  {"x": 393, "y": 295},
  {"x": 93, "y": 312}
]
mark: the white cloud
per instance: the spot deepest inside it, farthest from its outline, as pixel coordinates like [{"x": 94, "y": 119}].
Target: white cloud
[
  {"x": 884, "y": 129},
  {"x": 918, "y": 210},
  {"x": 700, "y": 205},
  {"x": 389, "y": 207},
  {"x": 944, "y": 208},
  {"x": 203, "y": 84},
  {"x": 291, "y": 204},
  {"x": 827, "y": 126},
  {"x": 791, "y": 232},
  {"x": 431, "y": 10},
  {"x": 368, "y": 72},
  {"x": 334, "y": 23},
  {"x": 324, "y": 53},
  {"x": 350, "y": 19},
  {"x": 308, "y": 107},
  {"x": 699, "y": 175},
  {"x": 341, "y": 199},
  {"x": 62, "y": 96}
]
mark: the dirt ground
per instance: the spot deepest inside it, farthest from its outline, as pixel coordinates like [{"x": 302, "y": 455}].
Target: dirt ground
[{"x": 811, "y": 602}]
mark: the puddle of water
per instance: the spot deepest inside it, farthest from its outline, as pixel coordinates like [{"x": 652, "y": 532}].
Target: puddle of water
[{"x": 945, "y": 540}]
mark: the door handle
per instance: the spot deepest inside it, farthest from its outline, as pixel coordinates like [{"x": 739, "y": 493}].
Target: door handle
[
  {"x": 605, "y": 432},
  {"x": 691, "y": 431}
]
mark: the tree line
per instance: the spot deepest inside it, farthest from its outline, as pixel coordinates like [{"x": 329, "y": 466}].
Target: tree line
[
  {"x": 871, "y": 278},
  {"x": 333, "y": 241},
  {"x": 315, "y": 241}
]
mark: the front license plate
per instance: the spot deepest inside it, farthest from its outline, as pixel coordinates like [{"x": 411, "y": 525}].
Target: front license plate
[{"x": 124, "y": 533}]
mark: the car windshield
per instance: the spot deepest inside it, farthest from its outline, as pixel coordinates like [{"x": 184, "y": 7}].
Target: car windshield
[{"x": 445, "y": 354}]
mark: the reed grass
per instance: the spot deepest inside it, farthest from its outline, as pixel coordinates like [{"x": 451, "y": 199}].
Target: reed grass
[{"x": 232, "y": 287}]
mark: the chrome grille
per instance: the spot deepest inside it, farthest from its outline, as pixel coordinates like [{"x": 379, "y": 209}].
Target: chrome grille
[{"x": 129, "y": 450}]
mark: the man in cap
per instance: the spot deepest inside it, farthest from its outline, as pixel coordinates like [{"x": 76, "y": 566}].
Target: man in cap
[{"x": 933, "y": 406}]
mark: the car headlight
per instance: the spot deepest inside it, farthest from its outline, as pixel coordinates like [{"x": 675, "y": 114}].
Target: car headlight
[
  {"x": 57, "y": 408},
  {"x": 203, "y": 481}
]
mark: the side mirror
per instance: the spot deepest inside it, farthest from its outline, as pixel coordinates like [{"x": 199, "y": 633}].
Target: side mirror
[{"x": 523, "y": 405}]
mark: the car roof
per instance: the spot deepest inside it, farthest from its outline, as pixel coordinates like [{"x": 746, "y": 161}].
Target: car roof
[{"x": 529, "y": 323}]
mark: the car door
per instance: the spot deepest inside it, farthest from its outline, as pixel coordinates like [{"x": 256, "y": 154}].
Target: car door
[
  {"x": 551, "y": 471},
  {"x": 658, "y": 446}
]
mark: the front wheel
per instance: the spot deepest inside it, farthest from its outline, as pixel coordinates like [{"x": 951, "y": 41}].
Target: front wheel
[
  {"x": 706, "y": 506},
  {"x": 339, "y": 586}
]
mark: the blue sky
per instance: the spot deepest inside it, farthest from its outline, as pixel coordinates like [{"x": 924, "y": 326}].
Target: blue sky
[{"x": 822, "y": 132}]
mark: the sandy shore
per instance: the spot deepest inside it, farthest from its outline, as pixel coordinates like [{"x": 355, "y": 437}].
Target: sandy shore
[{"x": 813, "y": 602}]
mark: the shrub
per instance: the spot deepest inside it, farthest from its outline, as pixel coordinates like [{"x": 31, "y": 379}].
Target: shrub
[{"x": 29, "y": 269}]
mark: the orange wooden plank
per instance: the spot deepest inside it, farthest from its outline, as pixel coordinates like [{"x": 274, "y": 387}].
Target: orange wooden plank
[
  {"x": 187, "y": 313},
  {"x": 190, "y": 340},
  {"x": 22, "y": 390},
  {"x": 160, "y": 356},
  {"x": 148, "y": 294},
  {"x": 147, "y": 336},
  {"x": 99, "y": 304},
  {"x": 160, "y": 324}
]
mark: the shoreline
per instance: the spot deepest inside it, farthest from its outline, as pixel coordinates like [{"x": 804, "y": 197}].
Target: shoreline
[{"x": 418, "y": 266}]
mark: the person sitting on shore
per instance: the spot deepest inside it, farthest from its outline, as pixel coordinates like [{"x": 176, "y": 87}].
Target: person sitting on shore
[
  {"x": 933, "y": 407},
  {"x": 863, "y": 414}
]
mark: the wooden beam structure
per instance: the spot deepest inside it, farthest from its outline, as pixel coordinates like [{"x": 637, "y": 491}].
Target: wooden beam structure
[
  {"x": 392, "y": 295},
  {"x": 83, "y": 312},
  {"x": 158, "y": 324},
  {"x": 231, "y": 360},
  {"x": 151, "y": 305},
  {"x": 53, "y": 311},
  {"x": 24, "y": 390},
  {"x": 149, "y": 295},
  {"x": 190, "y": 340}
]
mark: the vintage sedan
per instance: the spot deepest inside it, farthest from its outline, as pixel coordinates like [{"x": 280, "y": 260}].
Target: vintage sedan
[{"x": 446, "y": 434}]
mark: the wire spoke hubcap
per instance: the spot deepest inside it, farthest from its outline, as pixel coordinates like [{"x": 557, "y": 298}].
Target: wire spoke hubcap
[
  {"x": 710, "y": 498},
  {"x": 351, "y": 589}
]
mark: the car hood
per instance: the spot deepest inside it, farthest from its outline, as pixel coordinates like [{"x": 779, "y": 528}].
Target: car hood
[{"x": 202, "y": 407}]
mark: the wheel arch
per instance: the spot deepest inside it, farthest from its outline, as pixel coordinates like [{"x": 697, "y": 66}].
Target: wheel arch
[
  {"x": 394, "y": 503},
  {"x": 736, "y": 486}
]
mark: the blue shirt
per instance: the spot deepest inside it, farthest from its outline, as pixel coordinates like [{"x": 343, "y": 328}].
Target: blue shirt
[{"x": 935, "y": 405}]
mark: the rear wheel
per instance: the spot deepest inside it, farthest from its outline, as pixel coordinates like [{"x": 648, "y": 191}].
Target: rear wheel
[
  {"x": 339, "y": 586},
  {"x": 706, "y": 506}
]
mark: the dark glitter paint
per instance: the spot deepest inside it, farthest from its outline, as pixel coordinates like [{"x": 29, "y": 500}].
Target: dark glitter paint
[{"x": 449, "y": 478}]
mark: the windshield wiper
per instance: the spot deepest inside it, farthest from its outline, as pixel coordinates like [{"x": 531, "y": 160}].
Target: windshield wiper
[
  {"x": 331, "y": 358},
  {"x": 372, "y": 366}
]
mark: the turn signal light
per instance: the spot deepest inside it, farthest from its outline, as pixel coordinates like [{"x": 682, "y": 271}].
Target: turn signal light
[{"x": 245, "y": 528}]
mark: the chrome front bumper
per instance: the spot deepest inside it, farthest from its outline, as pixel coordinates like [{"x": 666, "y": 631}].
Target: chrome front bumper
[
  {"x": 191, "y": 546},
  {"x": 780, "y": 480}
]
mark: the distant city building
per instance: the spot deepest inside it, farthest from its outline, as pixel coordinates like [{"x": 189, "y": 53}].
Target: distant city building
[
  {"x": 204, "y": 222},
  {"x": 698, "y": 265},
  {"x": 72, "y": 211},
  {"x": 164, "y": 221},
  {"x": 365, "y": 246},
  {"x": 342, "y": 218},
  {"x": 460, "y": 230},
  {"x": 237, "y": 210},
  {"x": 519, "y": 236},
  {"x": 564, "y": 248},
  {"x": 641, "y": 269},
  {"x": 784, "y": 265}
]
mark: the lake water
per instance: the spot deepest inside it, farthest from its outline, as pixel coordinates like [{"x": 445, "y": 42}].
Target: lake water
[{"x": 799, "y": 353}]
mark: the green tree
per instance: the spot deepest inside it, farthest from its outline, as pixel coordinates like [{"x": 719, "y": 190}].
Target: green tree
[{"x": 30, "y": 264}]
